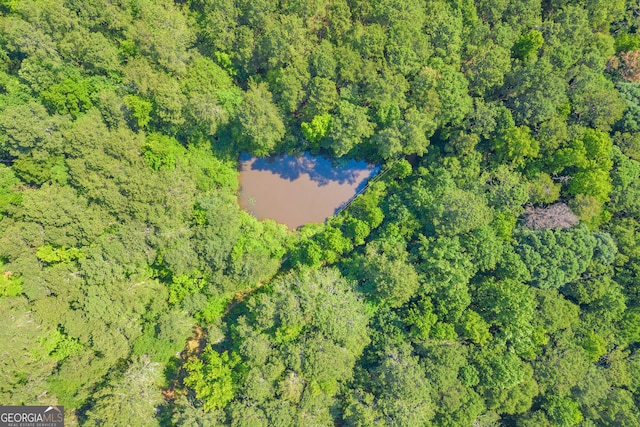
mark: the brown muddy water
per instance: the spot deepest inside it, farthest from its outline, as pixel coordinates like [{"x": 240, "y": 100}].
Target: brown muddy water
[{"x": 298, "y": 190}]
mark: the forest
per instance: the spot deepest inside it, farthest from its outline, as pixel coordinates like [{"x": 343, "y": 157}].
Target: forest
[{"x": 490, "y": 278}]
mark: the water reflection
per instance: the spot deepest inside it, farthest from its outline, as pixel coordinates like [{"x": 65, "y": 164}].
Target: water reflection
[
  {"x": 297, "y": 190},
  {"x": 319, "y": 169}
]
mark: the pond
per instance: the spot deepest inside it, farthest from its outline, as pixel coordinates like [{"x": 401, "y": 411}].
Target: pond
[{"x": 298, "y": 190}]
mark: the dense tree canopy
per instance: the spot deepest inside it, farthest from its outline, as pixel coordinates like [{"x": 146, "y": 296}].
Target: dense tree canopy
[{"x": 488, "y": 276}]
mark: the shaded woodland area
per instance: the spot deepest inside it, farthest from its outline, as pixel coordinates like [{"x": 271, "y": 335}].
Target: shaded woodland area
[{"x": 491, "y": 281}]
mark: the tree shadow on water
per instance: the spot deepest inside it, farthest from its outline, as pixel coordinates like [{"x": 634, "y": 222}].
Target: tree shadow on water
[{"x": 319, "y": 169}]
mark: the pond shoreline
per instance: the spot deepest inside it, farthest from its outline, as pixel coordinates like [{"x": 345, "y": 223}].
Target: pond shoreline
[{"x": 298, "y": 190}]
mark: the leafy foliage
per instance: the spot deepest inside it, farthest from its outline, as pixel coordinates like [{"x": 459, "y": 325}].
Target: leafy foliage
[{"x": 487, "y": 276}]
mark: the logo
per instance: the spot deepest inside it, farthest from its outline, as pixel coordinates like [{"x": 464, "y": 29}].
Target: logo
[{"x": 31, "y": 416}]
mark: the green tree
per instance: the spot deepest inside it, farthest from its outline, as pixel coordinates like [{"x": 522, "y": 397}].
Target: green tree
[
  {"x": 563, "y": 412},
  {"x": 387, "y": 274},
  {"x": 506, "y": 189},
  {"x": 259, "y": 125},
  {"x": 591, "y": 182},
  {"x": 8, "y": 184},
  {"x": 506, "y": 381},
  {"x": 70, "y": 96},
  {"x": 535, "y": 93},
  {"x": 162, "y": 33},
  {"x": 594, "y": 101},
  {"x": 526, "y": 48},
  {"x": 516, "y": 145},
  {"x": 446, "y": 269},
  {"x": 555, "y": 257},
  {"x": 323, "y": 96},
  {"x": 509, "y": 307},
  {"x": 211, "y": 378},
  {"x": 348, "y": 128},
  {"x": 400, "y": 393},
  {"x": 317, "y": 129},
  {"x": 474, "y": 328},
  {"x": 26, "y": 364},
  {"x": 131, "y": 399},
  {"x": 542, "y": 189},
  {"x": 140, "y": 110}
]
